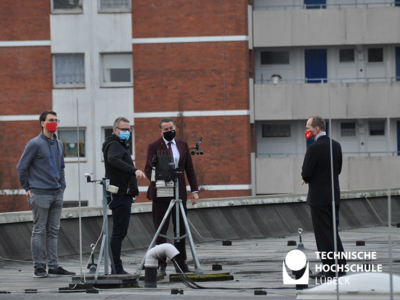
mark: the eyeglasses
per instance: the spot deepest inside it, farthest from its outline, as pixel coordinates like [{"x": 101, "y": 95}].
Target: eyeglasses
[
  {"x": 53, "y": 120},
  {"x": 125, "y": 129}
]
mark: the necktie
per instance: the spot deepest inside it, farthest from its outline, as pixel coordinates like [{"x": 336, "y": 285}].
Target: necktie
[{"x": 170, "y": 149}]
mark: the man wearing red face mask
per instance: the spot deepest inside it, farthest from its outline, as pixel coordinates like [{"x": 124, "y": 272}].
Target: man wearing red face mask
[
  {"x": 41, "y": 173},
  {"x": 316, "y": 172}
]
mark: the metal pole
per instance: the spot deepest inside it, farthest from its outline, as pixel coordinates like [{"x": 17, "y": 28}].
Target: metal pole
[
  {"x": 389, "y": 194},
  {"x": 79, "y": 187},
  {"x": 333, "y": 194},
  {"x": 105, "y": 216},
  {"x": 178, "y": 201}
]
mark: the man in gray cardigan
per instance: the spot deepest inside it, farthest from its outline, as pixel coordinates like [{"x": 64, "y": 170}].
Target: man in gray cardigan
[{"x": 41, "y": 173}]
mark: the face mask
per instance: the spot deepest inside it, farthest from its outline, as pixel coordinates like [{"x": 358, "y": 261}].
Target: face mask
[
  {"x": 169, "y": 135},
  {"x": 52, "y": 127},
  {"x": 308, "y": 134},
  {"x": 124, "y": 135}
]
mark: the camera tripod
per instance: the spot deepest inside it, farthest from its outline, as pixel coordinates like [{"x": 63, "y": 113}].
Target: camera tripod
[
  {"x": 105, "y": 248},
  {"x": 177, "y": 203}
]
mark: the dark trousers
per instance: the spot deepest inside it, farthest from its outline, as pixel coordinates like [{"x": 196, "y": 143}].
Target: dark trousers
[
  {"x": 121, "y": 214},
  {"x": 323, "y": 230},
  {"x": 159, "y": 210}
]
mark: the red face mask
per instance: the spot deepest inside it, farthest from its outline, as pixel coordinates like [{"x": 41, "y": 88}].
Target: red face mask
[
  {"x": 308, "y": 134},
  {"x": 52, "y": 127}
]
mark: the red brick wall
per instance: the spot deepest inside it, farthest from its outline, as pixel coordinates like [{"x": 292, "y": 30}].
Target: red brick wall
[
  {"x": 200, "y": 76},
  {"x": 24, "y": 20},
  {"x": 204, "y": 76},
  {"x": 26, "y": 75},
  {"x": 14, "y": 135},
  {"x": 180, "y": 18}
]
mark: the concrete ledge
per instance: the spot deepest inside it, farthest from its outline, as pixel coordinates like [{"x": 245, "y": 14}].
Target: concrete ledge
[
  {"x": 71, "y": 213},
  {"x": 214, "y": 220}
]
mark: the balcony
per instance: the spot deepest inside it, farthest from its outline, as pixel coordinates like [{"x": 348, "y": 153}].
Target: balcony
[
  {"x": 358, "y": 173},
  {"x": 288, "y": 26},
  {"x": 297, "y": 100}
]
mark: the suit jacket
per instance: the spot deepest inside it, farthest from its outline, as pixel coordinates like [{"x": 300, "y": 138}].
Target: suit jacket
[
  {"x": 186, "y": 165},
  {"x": 317, "y": 172}
]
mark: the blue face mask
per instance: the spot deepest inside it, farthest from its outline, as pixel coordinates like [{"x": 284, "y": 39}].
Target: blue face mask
[{"x": 124, "y": 135}]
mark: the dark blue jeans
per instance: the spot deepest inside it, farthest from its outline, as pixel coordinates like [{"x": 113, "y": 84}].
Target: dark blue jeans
[{"x": 121, "y": 214}]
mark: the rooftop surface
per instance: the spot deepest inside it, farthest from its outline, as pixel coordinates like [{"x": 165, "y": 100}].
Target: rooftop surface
[{"x": 254, "y": 263}]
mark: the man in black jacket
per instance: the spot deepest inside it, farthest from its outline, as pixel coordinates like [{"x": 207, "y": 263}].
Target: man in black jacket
[
  {"x": 316, "y": 172},
  {"x": 122, "y": 173}
]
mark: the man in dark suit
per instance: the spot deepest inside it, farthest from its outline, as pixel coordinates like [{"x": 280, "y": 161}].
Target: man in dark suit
[
  {"x": 168, "y": 144},
  {"x": 316, "y": 172}
]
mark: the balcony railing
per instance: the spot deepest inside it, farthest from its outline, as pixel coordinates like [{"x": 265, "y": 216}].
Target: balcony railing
[
  {"x": 329, "y": 6},
  {"x": 329, "y": 80},
  {"x": 351, "y": 154}
]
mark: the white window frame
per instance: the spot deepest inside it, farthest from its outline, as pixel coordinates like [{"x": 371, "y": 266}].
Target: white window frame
[
  {"x": 377, "y": 136},
  {"x": 276, "y": 138},
  {"x": 346, "y": 63},
  {"x": 103, "y": 139},
  {"x": 114, "y": 10},
  {"x": 376, "y": 62},
  {"x": 66, "y": 86},
  {"x": 73, "y": 159},
  {"x": 348, "y": 137},
  {"x": 114, "y": 84},
  {"x": 280, "y": 66},
  {"x": 65, "y": 11}
]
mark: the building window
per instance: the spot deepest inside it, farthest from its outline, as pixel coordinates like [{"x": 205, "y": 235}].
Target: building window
[
  {"x": 69, "y": 70},
  {"x": 71, "y": 147},
  {"x": 66, "y": 6},
  {"x": 275, "y": 130},
  {"x": 346, "y": 55},
  {"x": 115, "y": 5},
  {"x": 275, "y": 57},
  {"x": 348, "y": 129},
  {"x": 117, "y": 70},
  {"x": 375, "y": 55},
  {"x": 377, "y": 128},
  {"x": 109, "y": 131}
]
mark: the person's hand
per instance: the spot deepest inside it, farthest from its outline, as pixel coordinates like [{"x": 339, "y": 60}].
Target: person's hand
[
  {"x": 29, "y": 193},
  {"x": 195, "y": 198},
  {"x": 303, "y": 182},
  {"x": 139, "y": 174}
]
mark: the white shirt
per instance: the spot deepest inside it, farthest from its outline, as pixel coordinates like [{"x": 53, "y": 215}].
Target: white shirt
[
  {"x": 319, "y": 135},
  {"x": 175, "y": 151}
]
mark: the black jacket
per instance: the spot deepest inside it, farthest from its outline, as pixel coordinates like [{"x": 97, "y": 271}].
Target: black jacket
[
  {"x": 119, "y": 165},
  {"x": 317, "y": 172}
]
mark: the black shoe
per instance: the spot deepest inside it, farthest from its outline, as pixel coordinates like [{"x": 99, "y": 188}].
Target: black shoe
[
  {"x": 40, "y": 273},
  {"x": 60, "y": 272},
  {"x": 162, "y": 270},
  {"x": 184, "y": 268}
]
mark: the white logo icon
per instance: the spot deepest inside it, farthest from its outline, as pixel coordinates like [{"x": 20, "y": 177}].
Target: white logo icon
[{"x": 295, "y": 260}]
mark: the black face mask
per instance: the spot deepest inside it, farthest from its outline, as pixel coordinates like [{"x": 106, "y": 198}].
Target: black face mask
[{"x": 169, "y": 135}]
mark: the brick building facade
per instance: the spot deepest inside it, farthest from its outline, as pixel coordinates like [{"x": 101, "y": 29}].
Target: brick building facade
[{"x": 190, "y": 61}]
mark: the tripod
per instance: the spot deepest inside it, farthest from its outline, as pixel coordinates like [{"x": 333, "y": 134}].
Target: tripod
[
  {"x": 177, "y": 203},
  {"x": 105, "y": 249}
]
